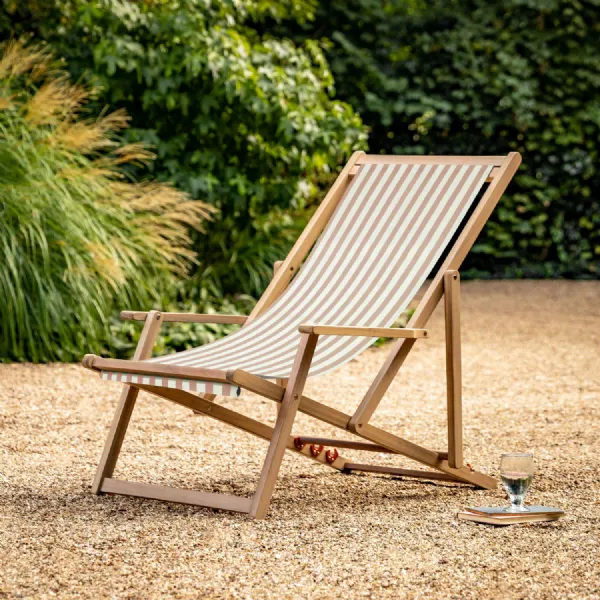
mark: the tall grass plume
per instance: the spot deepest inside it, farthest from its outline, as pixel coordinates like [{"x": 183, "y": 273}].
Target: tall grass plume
[{"x": 77, "y": 236}]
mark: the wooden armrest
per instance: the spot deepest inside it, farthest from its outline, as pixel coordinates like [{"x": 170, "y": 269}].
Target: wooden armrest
[
  {"x": 388, "y": 332},
  {"x": 132, "y": 315},
  {"x": 97, "y": 363}
]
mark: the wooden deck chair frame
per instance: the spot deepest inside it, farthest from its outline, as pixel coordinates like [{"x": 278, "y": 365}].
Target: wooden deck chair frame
[{"x": 288, "y": 394}]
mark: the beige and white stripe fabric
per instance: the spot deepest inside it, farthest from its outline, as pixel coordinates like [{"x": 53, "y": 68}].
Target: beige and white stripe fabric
[
  {"x": 187, "y": 385},
  {"x": 383, "y": 240}
]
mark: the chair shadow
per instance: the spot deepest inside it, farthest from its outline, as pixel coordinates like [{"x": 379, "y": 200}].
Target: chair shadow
[{"x": 80, "y": 503}]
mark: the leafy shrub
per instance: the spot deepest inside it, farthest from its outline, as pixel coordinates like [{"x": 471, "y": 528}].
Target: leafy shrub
[
  {"x": 486, "y": 77},
  {"x": 241, "y": 120},
  {"x": 77, "y": 236}
]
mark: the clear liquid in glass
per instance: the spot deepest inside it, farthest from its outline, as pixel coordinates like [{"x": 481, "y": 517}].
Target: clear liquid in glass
[{"x": 516, "y": 485}]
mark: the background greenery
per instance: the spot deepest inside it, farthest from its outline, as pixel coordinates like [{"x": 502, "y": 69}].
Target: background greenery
[
  {"x": 253, "y": 106},
  {"x": 485, "y": 77},
  {"x": 241, "y": 120}
]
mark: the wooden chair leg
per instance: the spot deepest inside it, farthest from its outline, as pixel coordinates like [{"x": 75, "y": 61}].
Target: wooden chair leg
[
  {"x": 453, "y": 368},
  {"x": 118, "y": 428},
  {"x": 283, "y": 427}
]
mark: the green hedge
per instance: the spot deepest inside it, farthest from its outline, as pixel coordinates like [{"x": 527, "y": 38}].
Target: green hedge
[{"x": 486, "y": 76}]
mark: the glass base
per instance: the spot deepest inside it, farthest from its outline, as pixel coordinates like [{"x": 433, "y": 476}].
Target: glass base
[{"x": 516, "y": 508}]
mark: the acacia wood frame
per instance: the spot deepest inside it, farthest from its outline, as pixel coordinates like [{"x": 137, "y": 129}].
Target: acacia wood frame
[{"x": 288, "y": 394}]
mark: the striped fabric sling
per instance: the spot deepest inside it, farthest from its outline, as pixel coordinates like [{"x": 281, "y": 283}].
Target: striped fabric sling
[{"x": 383, "y": 240}]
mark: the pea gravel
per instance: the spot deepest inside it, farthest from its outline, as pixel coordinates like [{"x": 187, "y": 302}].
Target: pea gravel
[{"x": 532, "y": 382}]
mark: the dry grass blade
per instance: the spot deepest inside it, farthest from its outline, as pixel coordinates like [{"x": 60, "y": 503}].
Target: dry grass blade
[
  {"x": 54, "y": 102},
  {"x": 134, "y": 154},
  {"x": 19, "y": 58}
]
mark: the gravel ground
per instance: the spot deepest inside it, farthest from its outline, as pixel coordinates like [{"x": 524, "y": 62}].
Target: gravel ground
[{"x": 532, "y": 382}]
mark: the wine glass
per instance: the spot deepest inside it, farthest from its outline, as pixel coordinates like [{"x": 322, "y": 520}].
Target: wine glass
[{"x": 516, "y": 471}]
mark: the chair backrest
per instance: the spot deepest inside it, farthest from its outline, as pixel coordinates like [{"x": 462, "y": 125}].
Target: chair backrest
[{"x": 395, "y": 220}]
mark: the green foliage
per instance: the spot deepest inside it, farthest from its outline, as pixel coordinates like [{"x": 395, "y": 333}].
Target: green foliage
[
  {"x": 241, "y": 120},
  {"x": 76, "y": 238},
  {"x": 486, "y": 77}
]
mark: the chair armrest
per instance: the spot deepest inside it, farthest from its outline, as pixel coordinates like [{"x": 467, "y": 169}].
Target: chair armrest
[
  {"x": 388, "y": 332},
  {"x": 132, "y": 315}
]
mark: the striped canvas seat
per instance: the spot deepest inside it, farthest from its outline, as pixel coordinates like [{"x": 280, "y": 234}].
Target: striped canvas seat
[
  {"x": 196, "y": 386},
  {"x": 385, "y": 237}
]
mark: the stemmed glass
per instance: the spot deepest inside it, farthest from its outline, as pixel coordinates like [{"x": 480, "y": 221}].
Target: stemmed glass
[{"x": 516, "y": 471}]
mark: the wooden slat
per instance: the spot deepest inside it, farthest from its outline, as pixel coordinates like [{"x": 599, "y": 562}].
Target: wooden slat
[
  {"x": 332, "y": 416},
  {"x": 399, "y": 445},
  {"x": 493, "y": 173},
  {"x": 379, "y": 436},
  {"x": 319, "y": 441},
  {"x": 387, "y": 332},
  {"x": 132, "y": 315},
  {"x": 157, "y": 369},
  {"x": 434, "y": 292},
  {"x": 283, "y": 426},
  {"x": 453, "y": 368},
  {"x": 169, "y": 494},
  {"x": 120, "y": 422},
  {"x": 369, "y": 159},
  {"x": 404, "y": 472},
  {"x": 282, "y": 381},
  {"x": 271, "y": 390},
  {"x": 256, "y": 384},
  {"x": 354, "y": 445},
  {"x": 306, "y": 240},
  {"x": 437, "y": 460}
]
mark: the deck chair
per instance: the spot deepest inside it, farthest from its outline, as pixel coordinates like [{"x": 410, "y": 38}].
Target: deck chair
[{"x": 384, "y": 225}]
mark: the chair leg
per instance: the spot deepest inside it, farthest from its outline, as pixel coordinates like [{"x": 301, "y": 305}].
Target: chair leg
[
  {"x": 118, "y": 428},
  {"x": 453, "y": 368},
  {"x": 283, "y": 426}
]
